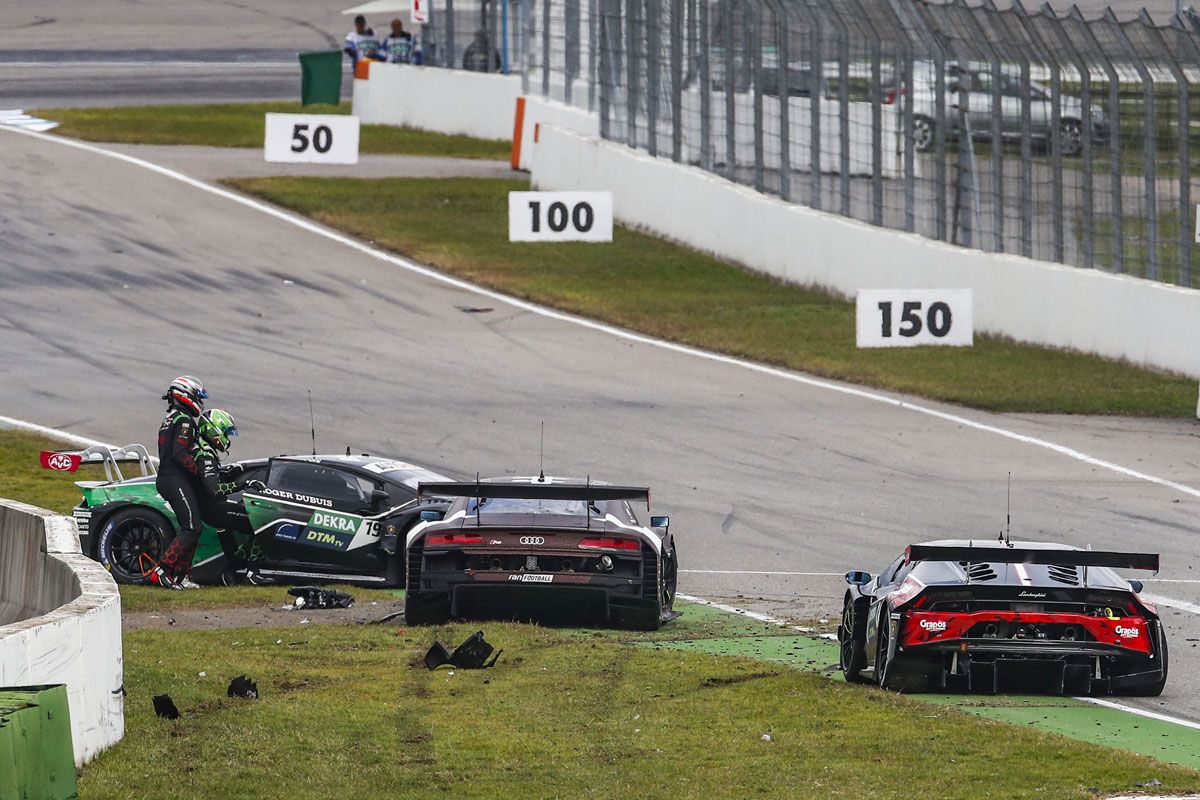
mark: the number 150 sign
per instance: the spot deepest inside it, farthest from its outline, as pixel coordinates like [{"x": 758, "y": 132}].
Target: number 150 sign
[{"x": 911, "y": 317}]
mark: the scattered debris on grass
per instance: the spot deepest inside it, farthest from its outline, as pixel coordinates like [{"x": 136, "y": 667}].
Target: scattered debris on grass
[
  {"x": 471, "y": 654},
  {"x": 164, "y": 706}
]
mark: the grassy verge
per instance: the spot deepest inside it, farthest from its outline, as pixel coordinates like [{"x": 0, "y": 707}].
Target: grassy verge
[
  {"x": 349, "y": 711},
  {"x": 241, "y": 125},
  {"x": 648, "y": 284}
]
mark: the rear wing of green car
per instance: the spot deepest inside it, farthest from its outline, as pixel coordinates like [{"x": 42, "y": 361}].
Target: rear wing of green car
[{"x": 110, "y": 457}]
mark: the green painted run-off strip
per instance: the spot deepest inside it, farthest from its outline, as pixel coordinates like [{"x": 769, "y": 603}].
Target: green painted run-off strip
[
  {"x": 1066, "y": 716},
  {"x": 37, "y": 760}
]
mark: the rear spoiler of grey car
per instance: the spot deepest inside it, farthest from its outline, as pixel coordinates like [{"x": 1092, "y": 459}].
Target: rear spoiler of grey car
[
  {"x": 1021, "y": 555},
  {"x": 535, "y": 491}
]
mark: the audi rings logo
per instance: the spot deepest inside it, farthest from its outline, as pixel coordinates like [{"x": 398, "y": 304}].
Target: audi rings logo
[{"x": 532, "y": 540}]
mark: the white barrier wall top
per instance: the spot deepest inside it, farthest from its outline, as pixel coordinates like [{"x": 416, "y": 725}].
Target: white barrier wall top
[{"x": 60, "y": 622}]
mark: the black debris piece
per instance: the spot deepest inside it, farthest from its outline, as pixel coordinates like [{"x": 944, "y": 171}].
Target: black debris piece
[
  {"x": 316, "y": 597},
  {"x": 241, "y": 686},
  {"x": 164, "y": 706},
  {"x": 471, "y": 654}
]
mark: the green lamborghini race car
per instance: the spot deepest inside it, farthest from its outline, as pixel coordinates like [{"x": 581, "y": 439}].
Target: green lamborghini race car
[{"x": 323, "y": 517}]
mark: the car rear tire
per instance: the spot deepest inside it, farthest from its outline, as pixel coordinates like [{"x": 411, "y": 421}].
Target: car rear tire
[
  {"x": 131, "y": 543},
  {"x": 670, "y": 579},
  {"x": 852, "y": 655},
  {"x": 924, "y": 133},
  {"x": 1156, "y": 688},
  {"x": 426, "y": 609}
]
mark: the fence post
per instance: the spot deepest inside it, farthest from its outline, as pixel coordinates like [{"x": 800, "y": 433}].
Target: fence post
[
  {"x": 779, "y": 14},
  {"x": 653, "y": 68},
  {"x": 1055, "y": 133},
  {"x": 816, "y": 75},
  {"x": 727, "y": 84},
  {"x": 676, "y": 25},
  {"x": 606, "y": 71},
  {"x": 703, "y": 51},
  {"x": 754, "y": 42},
  {"x": 1148, "y": 120},
  {"x": 1081, "y": 63},
  {"x": 545, "y": 48},
  {"x": 631, "y": 72}
]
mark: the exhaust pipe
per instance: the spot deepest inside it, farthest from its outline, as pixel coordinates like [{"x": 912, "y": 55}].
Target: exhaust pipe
[
  {"x": 990, "y": 632},
  {"x": 568, "y": 565},
  {"x": 1069, "y": 633},
  {"x": 497, "y": 564}
]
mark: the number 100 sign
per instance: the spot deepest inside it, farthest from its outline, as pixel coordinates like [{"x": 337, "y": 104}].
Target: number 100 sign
[
  {"x": 311, "y": 138},
  {"x": 911, "y": 317},
  {"x": 560, "y": 216}
]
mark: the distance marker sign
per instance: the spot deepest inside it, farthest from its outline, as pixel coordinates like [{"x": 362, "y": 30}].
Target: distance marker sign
[
  {"x": 911, "y": 317},
  {"x": 560, "y": 217},
  {"x": 311, "y": 139}
]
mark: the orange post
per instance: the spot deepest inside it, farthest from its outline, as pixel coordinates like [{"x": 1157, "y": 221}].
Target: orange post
[
  {"x": 518, "y": 127},
  {"x": 362, "y": 69}
]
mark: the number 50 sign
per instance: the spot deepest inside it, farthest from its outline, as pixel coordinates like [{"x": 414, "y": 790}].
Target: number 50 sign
[
  {"x": 311, "y": 138},
  {"x": 910, "y": 317}
]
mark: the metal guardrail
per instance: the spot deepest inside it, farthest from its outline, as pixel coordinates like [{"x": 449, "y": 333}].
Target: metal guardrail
[{"x": 1043, "y": 134}]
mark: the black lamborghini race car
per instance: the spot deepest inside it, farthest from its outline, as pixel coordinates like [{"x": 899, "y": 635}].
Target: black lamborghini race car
[
  {"x": 535, "y": 547},
  {"x": 326, "y": 517},
  {"x": 1029, "y": 617}
]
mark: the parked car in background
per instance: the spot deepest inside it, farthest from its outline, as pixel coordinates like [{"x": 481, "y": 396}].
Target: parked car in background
[{"x": 977, "y": 80}]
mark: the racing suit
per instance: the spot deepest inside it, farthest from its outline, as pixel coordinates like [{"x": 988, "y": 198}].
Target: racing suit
[
  {"x": 360, "y": 45},
  {"x": 178, "y": 478},
  {"x": 227, "y": 517}
]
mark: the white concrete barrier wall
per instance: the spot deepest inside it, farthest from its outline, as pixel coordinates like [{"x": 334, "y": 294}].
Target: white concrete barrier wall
[
  {"x": 1145, "y": 322},
  {"x": 442, "y": 100},
  {"x": 60, "y": 622}
]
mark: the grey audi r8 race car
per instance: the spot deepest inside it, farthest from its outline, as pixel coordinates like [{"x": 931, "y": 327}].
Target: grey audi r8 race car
[
  {"x": 529, "y": 547},
  {"x": 1029, "y": 617}
]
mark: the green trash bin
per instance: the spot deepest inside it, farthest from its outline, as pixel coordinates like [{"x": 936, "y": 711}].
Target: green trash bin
[{"x": 321, "y": 77}]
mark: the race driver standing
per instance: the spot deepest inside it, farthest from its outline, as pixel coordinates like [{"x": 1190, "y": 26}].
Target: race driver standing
[{"x": 179, "y": 478}]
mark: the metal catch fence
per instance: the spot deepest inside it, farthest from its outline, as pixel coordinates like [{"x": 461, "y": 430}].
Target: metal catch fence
[{"x": 1049, "y": 135}]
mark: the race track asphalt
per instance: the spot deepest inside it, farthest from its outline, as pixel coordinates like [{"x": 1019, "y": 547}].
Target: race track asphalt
[{"x": 113, "y": 279}]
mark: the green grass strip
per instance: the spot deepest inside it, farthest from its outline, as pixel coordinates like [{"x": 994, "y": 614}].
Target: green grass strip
[
  {"x": 1075, "y": 719},
  {"x": 242, "y": 125},
  {"x": 349, "y": 711},
  {"x": 647, "y": 284}
]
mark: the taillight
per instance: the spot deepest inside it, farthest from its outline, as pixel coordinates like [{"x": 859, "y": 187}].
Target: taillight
[
  {"x": 907, "y": 591},
  {"x": 453, "y": 538},
  {"x": 1146, "y": 604},
  {"x": 889, "y": 97},
  {"x": 611, "y": 543}
]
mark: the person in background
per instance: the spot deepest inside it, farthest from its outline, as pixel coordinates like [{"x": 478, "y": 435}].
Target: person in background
[
  {"x": 476, "y": 58},
  {"x": 397, "y": 48},
  {"x": 360, "y": 42}
]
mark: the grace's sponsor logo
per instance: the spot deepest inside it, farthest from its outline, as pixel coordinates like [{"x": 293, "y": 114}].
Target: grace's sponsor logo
[
  {"x": 533, "y": 540},
  {"x": 1034, "y": 595},
  {"x": 336, "y": 522},
  {"x": 934, "y": 625},
  {"x": 61, "y": 462},
  {"x": 299, "y": 498},
  {"x": 1131, "y": 632},
  {"x": 323, "y": 537},
  {"x": 528, "y": 577}
]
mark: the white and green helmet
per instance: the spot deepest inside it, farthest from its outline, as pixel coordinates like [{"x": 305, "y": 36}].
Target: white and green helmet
[{"x": 217, "y": 427}]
